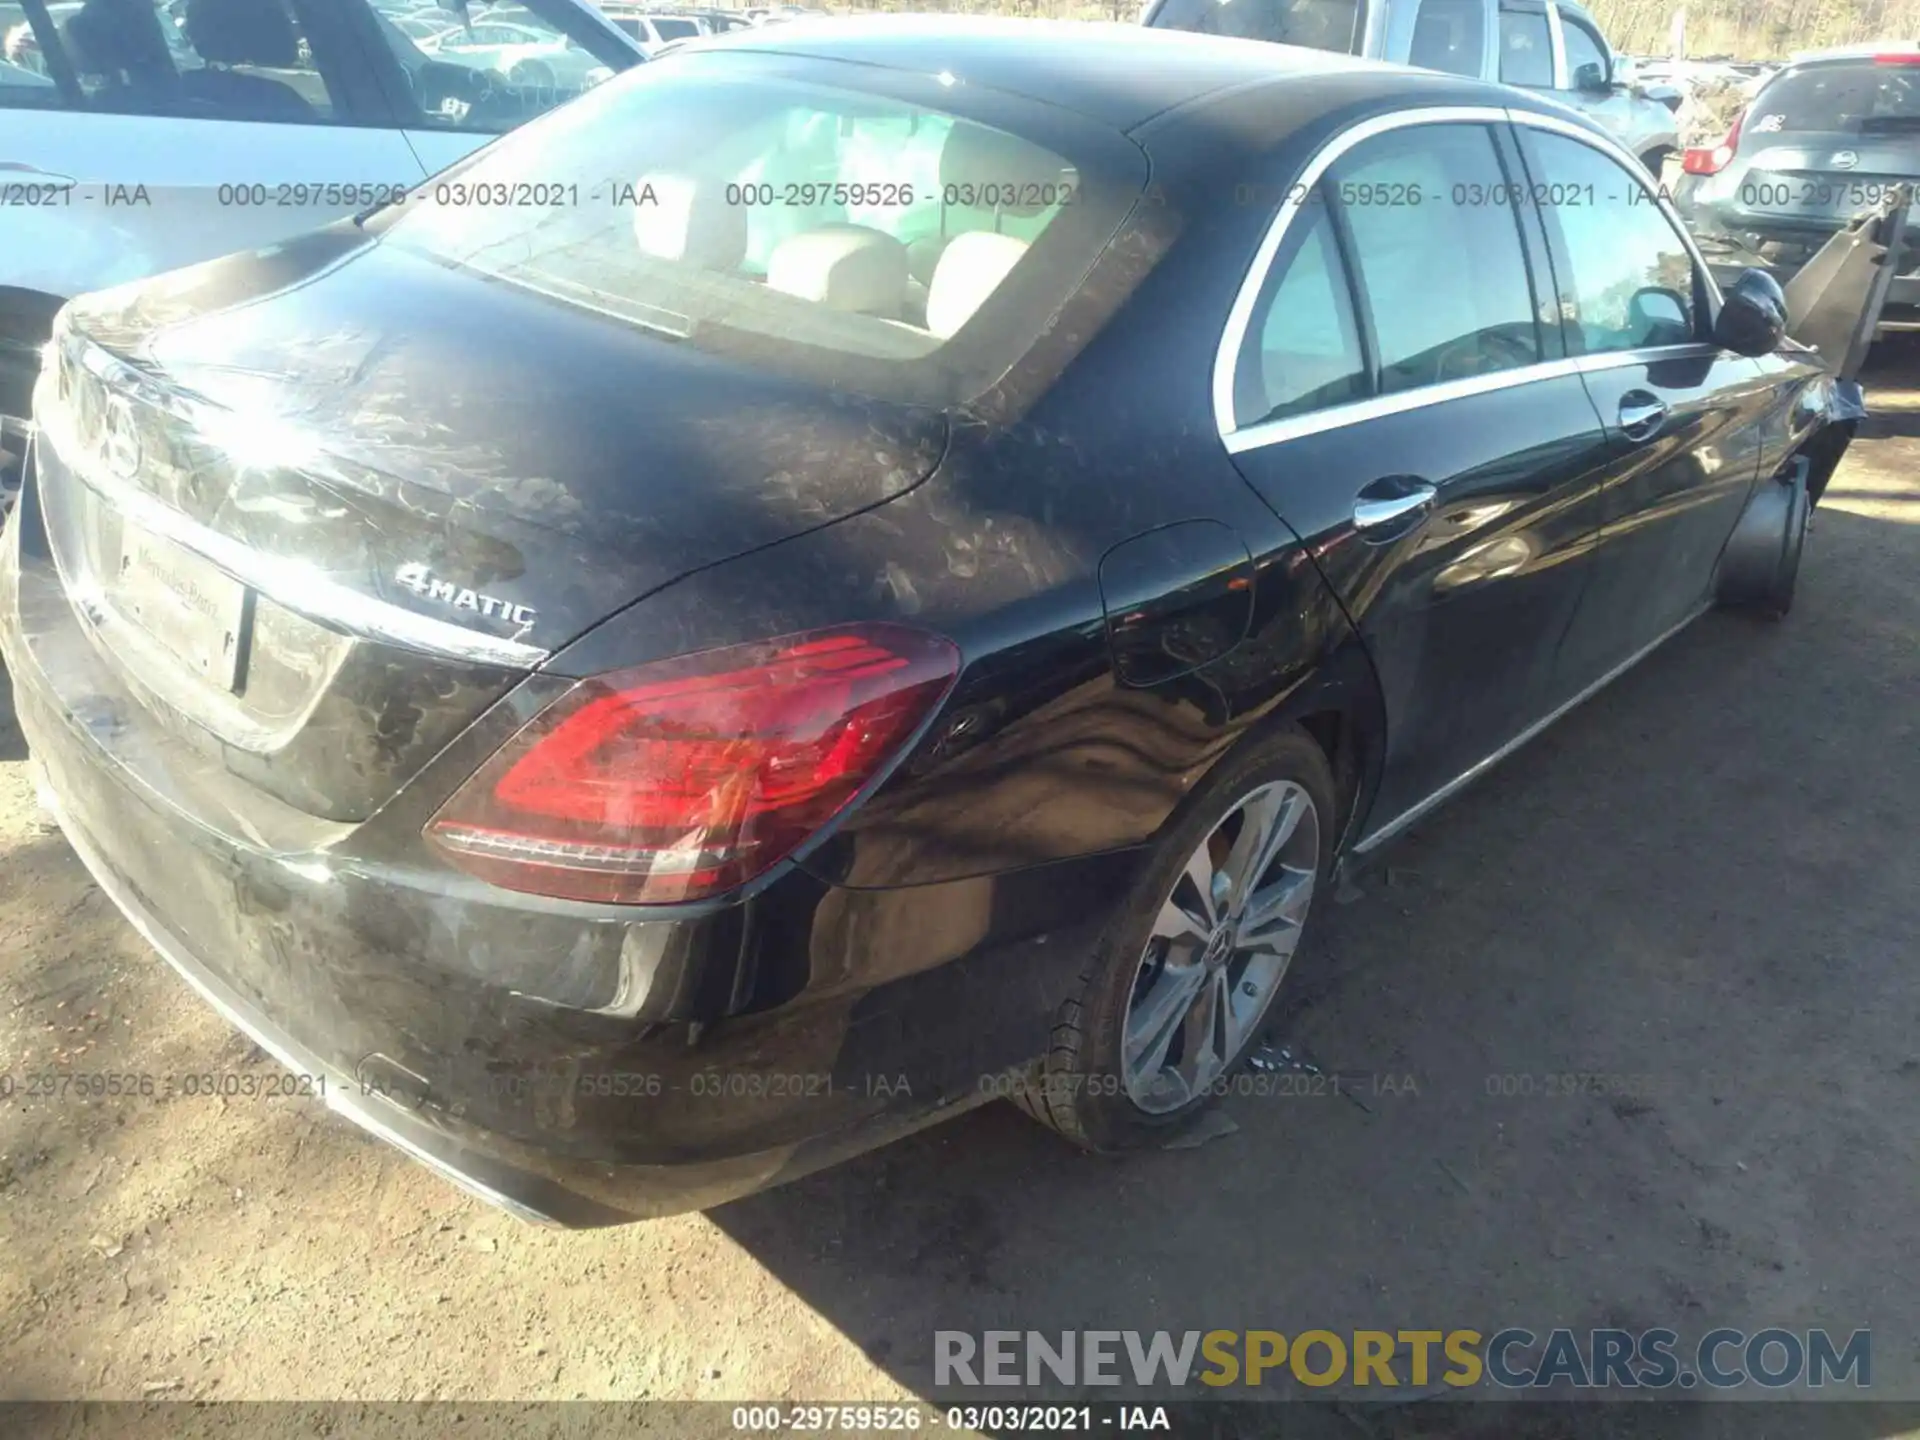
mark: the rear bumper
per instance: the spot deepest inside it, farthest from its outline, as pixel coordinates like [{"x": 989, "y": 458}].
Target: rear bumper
[
  {"x": 428, "y": 1017},
  {"x": 539, "y": 1198}
]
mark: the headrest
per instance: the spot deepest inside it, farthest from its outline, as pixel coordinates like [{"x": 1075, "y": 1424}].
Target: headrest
[
  {"x": 970, "y": 269},
  {"x": 107, "y": 37},
  {"x": 844, "y": 267},
  {"x": 688, "y": 218},
  {"x": 1003, "y": 172},
  {"x": 242, "y": 32}
]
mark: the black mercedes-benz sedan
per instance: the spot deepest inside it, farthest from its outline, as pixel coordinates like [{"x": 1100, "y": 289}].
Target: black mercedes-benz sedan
[{"x": 863, "y": 568}]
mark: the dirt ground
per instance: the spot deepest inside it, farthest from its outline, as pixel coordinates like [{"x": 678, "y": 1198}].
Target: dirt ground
[{"x": 1708, "y": 879}]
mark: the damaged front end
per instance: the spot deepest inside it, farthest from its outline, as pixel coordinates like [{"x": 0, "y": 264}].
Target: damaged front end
[{"x": 1860, "y": 285}]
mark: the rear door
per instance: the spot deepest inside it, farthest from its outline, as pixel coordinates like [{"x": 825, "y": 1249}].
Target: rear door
[
  {"x": 1681, "y": 415},
  {"x": 1399, "y": 398}
]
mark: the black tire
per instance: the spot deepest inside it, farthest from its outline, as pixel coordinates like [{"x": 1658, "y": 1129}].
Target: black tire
[
  {"x": 1078, "y": 1087},
  {"x": 1777, "y": 603},
  {"x": 1656, "y": 163}
]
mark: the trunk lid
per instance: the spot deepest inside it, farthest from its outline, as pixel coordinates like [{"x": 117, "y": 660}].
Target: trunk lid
[
  {"x": 424, "y": 482},
  {"x": 1818, "y": 182}
]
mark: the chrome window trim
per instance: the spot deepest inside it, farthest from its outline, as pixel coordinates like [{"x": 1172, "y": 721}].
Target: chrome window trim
[
  {"x": 1226, "y": 357},
  {"x": 1336, "y": 417},
  {"x": 300, "y": 588}
]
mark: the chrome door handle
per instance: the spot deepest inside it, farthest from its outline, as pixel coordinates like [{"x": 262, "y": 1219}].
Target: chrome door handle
[
  {"x": 1386, "y": 501},
  {"x": 1641, "y": 415}
]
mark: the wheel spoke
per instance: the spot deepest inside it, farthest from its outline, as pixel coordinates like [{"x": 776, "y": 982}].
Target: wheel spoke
[
  {"x": 1197, "y": 878},
  {"x": 1205, "y": 1052},
  {"x": 1156, "y": 1018},
  {"x": 1178, "y": 925},
  {"x": 1271, "y": 817},
  {"x": 1276, "y": 913},
  {"x": 1256, "y": 825}
]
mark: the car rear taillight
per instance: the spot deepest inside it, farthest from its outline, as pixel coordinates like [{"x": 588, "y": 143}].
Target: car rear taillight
[
  {"x": 1714, "y": 159},
  {"x": 1898, "y": 57},
  {"x": 681, "y": 779}
]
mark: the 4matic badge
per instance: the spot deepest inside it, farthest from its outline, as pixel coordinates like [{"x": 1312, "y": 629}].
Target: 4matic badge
[{"x": 422, "y": 581}]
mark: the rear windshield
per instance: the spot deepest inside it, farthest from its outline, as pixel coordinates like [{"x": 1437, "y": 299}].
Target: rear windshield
[
  {"x": 818, "y": 229},
  {"x": 1316, "y": 24},
  {"x": 1856, "y": 96},
  {"x": 676, "y": 29}
]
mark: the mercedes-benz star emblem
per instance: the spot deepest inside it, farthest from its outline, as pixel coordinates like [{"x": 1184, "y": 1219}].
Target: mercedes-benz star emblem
[{"x": 119, "y": 438}]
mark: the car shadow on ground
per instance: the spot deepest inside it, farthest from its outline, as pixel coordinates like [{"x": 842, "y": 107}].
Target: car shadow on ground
[
  {"x": 13, "y": 745},
  {"x": 1620, "y": 1037}
]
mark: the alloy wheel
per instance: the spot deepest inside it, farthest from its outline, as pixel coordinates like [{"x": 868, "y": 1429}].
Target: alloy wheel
[{"x": 1220, "y": 946}]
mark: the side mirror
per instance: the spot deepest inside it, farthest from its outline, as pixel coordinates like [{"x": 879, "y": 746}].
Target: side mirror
[
  {"x": 1753, "y": 319},
  {"x": 1590, "y": 76},
  {"x": 1667, "y": 95}
]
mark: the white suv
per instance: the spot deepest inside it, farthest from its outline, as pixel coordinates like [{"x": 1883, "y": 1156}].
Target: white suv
[{"x": 141, "y": 135}]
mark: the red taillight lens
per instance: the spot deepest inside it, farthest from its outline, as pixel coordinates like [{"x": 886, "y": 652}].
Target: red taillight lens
[
  {"x": 681, "y": 779},
  {"x": 1715, "y": 159},
  {"x": 1898, "y": 57}
]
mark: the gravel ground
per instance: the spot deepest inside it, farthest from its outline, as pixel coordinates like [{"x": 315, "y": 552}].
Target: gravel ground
[{"x": 1706, "y": 881}]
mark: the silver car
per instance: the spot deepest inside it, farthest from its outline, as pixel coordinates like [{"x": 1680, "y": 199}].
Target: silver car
[
  {"x": 1548, "y": 45},
  {"x": 1832, "y": 136}
]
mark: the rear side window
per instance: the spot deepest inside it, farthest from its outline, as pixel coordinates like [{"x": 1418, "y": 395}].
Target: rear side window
[
  {"x": 1449, "y": 35},
  {"x": 1436, "y": 243},
  {"x": 1626, "y": 279},
  {"x": 1852, "y": 96},
  {"x": 1315, "y": 24},
  {"x": 1302, "y": 352},
  {"x": 1526, "y": 49}
]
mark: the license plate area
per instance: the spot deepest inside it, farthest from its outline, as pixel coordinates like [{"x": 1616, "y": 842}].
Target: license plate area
[{"x": 188, "y": 605}]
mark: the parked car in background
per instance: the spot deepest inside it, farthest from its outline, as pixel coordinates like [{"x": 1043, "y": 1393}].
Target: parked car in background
[
  {"x": 652, "y": 30},
  {"x": 902, "y": 594},
  {"x": 1834, "y": 134},
  {"x": 1546, "y": 45},
  {"x": 720, "y": 22},
  {"x": 417, "y": 27},
  {"x": 524, "y": 55},
  {"x": 158, "y": 144}
]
